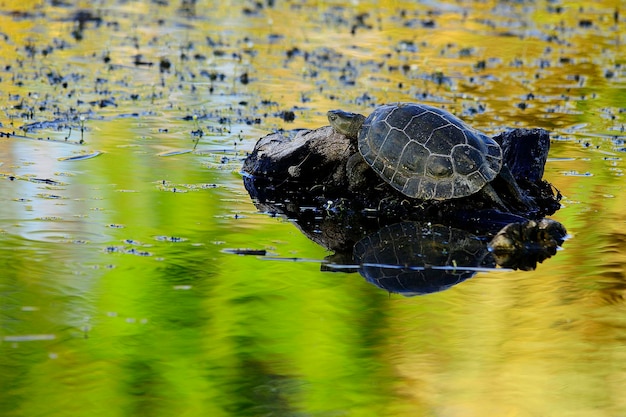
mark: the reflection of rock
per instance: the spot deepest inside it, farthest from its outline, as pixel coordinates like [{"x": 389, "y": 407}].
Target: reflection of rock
[
  {"x": 522, "y": 245},
  {"x": 419, "y": 258}
]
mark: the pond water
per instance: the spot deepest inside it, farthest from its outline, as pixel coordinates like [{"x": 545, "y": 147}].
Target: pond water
[{"x": 125, "y": 125}]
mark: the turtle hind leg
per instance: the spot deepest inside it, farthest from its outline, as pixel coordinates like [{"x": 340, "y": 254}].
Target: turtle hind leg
[
  {"x": 489, "y": 194},
  {"x": 511, "y": 192}
]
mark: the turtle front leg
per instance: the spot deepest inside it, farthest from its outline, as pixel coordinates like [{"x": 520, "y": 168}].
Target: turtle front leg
[{"x": 356, "y": 167}]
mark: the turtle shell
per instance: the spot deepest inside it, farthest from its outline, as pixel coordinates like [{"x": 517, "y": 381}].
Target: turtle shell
[{"x": 428, "y": 153}]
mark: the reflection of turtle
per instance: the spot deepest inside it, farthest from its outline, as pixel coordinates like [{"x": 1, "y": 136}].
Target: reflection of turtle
[
  {"x": 422, "y": 151},
  {"x": 418, "y": 258}
]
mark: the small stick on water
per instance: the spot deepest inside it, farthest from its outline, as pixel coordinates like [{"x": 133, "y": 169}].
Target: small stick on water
[
  {"x": 198, "y": 133},
  {"x": 69, "y": 134},
  {"x": 82, "y": 129},
  {"x": 195, "y": 121}
]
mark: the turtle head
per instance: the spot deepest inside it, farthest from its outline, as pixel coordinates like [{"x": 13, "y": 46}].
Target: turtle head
[{"x": 346, "y": 123}]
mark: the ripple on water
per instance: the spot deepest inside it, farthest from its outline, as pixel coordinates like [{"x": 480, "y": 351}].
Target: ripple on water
[
  {"x": 81, "y": 156},
  {"x": 28, "y": 337},
  {"x": 174, "y": 153},
  {"x": 58, "y": 231}
]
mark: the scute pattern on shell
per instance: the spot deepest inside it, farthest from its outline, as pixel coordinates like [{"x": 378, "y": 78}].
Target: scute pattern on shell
[{"x": 428, "y": 153}]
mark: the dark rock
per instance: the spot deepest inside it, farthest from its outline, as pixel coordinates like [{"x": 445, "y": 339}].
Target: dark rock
[
  {"x": 525, "y": 152},
  {"x": 305, "y": 156}
]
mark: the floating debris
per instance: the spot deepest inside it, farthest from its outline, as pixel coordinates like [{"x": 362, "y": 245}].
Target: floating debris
[
  {"x": 574, "y": 173},
  {"x": 123, "y": 250},
  {"x": 252, "y": 252},
  {"x": 170, "y": 239},
  {"x": 81, "y": 157},
  {"x": 49, "y": 196},
  {"x": 45, "y": 181},
  {"x": 173, "y": 153}
]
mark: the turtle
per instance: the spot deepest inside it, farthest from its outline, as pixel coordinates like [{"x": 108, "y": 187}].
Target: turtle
[{"x": 422, "y": 151}]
